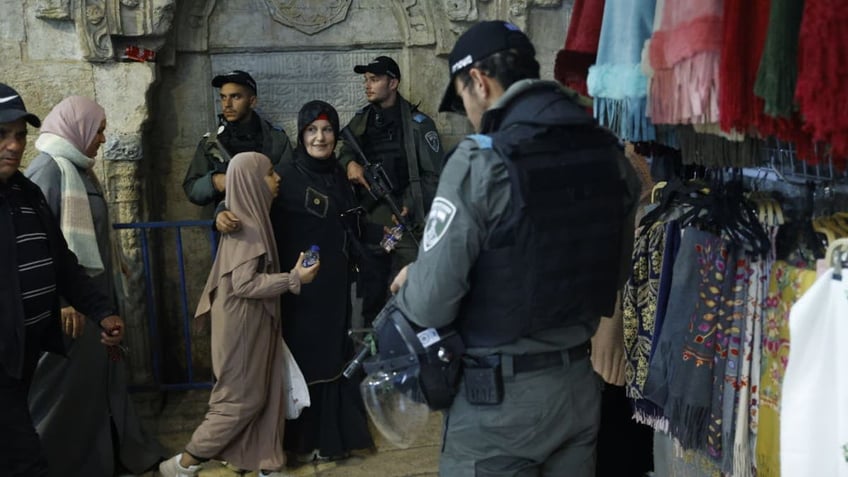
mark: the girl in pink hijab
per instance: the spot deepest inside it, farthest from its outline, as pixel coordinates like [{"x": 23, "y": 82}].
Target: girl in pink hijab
[{"x": 244, "y": 424}]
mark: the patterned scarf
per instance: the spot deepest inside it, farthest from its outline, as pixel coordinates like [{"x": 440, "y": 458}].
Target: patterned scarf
[
  {"x": 786, "y": 284},
  {"x": 726, "y": 413},
  {"x": 639, "y": 301},
  {"x": 692, "y": 347}
]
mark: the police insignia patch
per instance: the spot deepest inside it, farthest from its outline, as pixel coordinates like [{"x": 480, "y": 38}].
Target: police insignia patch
[
  {"x": 441, "y": 215},
  {"x": 432, "y": 139}
]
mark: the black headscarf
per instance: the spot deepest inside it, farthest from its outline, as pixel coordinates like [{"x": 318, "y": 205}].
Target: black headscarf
[{"x": 310, "y": 112}]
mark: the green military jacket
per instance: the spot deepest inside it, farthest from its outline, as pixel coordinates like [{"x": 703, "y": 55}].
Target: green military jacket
[
  {"x": 210, "y": 158},
  {"x": 424, "y": 157}
]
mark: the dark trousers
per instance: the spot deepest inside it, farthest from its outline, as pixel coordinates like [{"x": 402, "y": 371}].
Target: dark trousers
[
  {"x": 373, "y": 283},
  {"x": 20, "y": 448},
  {"x": 622, "y": 442}
]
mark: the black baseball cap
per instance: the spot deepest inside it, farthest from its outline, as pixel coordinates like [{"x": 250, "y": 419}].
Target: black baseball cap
[
  {"x": 381, "y": 65},
  {"x": 12, "y": 107},
  {"x": 235, "y": 76},
  {"x": 478, "y": 42}
]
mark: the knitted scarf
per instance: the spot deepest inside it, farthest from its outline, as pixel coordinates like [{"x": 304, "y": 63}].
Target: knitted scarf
[
  {"x": 616, "y": 81},
  {"x": 581, "y": 45},
  {"x": 75, "y": 216},
  {"x": 745, "y": 23},
  {"x": 777, "y": 114},
  {"x": 822, "y": 89},
  {"x": 778, "y": 70}
]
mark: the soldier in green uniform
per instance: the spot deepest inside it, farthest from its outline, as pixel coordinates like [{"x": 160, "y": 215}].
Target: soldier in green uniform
[
  {"x": 524, "y": 249},
  {"x": 394, "y": 133},
  {"x": 240, "y": 129}
]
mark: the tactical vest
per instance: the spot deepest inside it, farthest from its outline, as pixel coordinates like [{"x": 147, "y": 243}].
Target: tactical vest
[
  {"x": 554, "y": 262},
  {"x": 384, "y": 144}
]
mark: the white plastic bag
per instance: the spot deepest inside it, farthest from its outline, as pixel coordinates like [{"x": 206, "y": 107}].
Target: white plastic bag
[{"x": 294, "y": 385}]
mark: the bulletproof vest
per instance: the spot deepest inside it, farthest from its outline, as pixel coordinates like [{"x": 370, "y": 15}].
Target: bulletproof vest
[
  {"x": 242, "y": 137},
  {"x": 383, "y": 142},
  {"x": 554, "y": 261}
]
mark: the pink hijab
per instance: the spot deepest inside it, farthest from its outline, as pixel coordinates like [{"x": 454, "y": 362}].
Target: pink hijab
[
  {"x": 249, "y": 198},
  {"x": 75, "y": 119}
]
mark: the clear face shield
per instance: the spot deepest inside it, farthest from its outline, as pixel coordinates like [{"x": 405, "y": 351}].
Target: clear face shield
[
  {"x": 394, "y": 405},
  {"x": 414, "y": 372}
]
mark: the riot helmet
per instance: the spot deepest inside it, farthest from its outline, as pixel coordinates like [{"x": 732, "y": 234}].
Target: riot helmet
[{"x": 414, "y": 370}]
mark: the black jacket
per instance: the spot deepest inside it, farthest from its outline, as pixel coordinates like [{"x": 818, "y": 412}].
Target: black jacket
[{"x": 73, "y": 283}]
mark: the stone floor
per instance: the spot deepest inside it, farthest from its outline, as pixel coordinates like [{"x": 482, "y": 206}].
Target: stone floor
[{"x": 172, "y": 417}]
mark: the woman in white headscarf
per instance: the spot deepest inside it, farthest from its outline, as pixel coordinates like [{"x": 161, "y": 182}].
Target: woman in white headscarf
[{"x": 85, "y": 394}]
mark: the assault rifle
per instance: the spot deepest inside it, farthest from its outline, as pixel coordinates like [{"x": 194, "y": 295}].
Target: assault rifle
[{"x": 379, "y": 184}]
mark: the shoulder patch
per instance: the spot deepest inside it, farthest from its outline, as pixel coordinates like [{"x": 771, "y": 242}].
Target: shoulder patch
[
  {"x": 482, "y": 140},
  {"x": 419, "y": 117},
  {"x": 441, "y": 215},
  {"x": 432, "y": 139}
]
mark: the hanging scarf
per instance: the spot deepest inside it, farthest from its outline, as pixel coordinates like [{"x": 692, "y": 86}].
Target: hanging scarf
[
  {"x": 822, "y": 89},
  {"x": 639, "y": 302},
  {"x": 778, "y": 70},
  {"x": 692, "y": 340},
  {"x": 581, "y": 45},
  {"x": 735, "y": 361},
  {"x": 786, "y": 285},
  {"x": 616, "y": 81},
  {"x": 745, "y": 23},
  {"x": 684, "y": 55},
  {"x": 75, "y": 219}
]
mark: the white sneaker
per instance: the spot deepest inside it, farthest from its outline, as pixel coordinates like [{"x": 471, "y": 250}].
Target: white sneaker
[
  {"x": 274, "y": 474},
  {"x": 172, "y": 468}
]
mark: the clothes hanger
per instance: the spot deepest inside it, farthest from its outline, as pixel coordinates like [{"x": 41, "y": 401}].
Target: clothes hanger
[{"x": 837, "y": 257}]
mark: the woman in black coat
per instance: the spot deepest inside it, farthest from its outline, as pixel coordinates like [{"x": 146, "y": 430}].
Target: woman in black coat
[{"x": 314, "y": 195}]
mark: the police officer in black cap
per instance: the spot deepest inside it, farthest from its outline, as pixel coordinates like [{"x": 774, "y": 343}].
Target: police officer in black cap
[
  {"x": 524, "y": 249},
  {"x": 392, "y": 132},
  {"x": 240, "y": 129}
]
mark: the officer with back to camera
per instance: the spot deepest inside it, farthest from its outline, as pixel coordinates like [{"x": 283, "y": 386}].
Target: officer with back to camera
[
  {"x": 525, "y": 246},
  {"x": 240, "y": 129}
]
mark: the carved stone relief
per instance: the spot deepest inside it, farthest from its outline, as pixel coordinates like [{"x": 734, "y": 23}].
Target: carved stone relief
[
  {"x": 97, "y": 20},
  {"x": 460, "y": 10},
  {"x": 308, "y": 16},
  {"x": 416, "y": 17},
  {"x": 53, "y": 9}
]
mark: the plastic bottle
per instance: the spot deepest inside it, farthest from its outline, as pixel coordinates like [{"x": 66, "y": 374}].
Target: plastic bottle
[
  {"x": 311, "y": 256},
  {"x": 391, "y": 238}
]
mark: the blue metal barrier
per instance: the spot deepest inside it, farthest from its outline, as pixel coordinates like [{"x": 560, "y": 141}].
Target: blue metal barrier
[{"x": 152, "y": 313}]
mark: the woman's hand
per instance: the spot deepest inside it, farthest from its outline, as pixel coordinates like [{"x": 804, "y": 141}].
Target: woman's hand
[
  {"x": 226, "y": 222},
  {"x": 73, "y": 322},
  {"x": 306, "y": 274}
]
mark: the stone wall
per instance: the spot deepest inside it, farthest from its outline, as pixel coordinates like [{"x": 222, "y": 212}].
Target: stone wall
[{"x": 157, "y": 111}]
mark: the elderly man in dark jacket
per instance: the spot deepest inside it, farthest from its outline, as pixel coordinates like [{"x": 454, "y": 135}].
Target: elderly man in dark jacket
[{"x": 36, "y": 268}]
